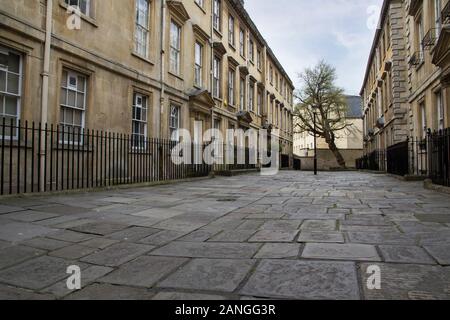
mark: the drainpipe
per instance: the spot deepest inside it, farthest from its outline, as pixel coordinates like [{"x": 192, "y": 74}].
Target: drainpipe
[
  {"x": 45, "y": 88},
  {"x": 211, "y": 74},
  {"x": 163, "y": 63},
  {"x": 211, "y": 40}
]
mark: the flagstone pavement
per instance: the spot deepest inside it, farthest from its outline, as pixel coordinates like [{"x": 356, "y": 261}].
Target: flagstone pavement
[{"x": 290, "y": 236}]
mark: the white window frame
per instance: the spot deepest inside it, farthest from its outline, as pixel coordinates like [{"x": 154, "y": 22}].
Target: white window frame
[
  {"x": 437, "y": 14},
  {"x": 143, "y": 105},
  {"x": 231, "y": 86},
  {"x": 217, "y": 7},
  {"x": 217, "y": 77},
  {"x": 242, "y": 86},
  {"x": 174, "y": 121},
  {"x": 231, "y": 31},
  {"x": 251, "y": 50},
  {"x": 423, "y": 118},
  {"x": 259, "y": 101},
  {"x": 175, "y": 50},
  {"x": 18, "y": 95},
  {"x": 76, "y": 3},
  {"x": 64, "y": 107},
  {"x": 198, "y": 64},
  {"x": 242, "y": 42},
  {"x": 251, "y": 96},
  {"x": 440, "y": 110},
  {"x": 141, "y": 45}
]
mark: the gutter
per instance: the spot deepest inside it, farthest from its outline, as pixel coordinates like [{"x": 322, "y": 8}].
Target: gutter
[
  {"x": 162, "y": 58},
  {"x": 45, "y": 86}
]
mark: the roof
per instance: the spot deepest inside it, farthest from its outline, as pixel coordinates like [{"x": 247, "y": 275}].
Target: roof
[
  {"x": 384, "y": 11},
  {"x": 354, "y": 106}
]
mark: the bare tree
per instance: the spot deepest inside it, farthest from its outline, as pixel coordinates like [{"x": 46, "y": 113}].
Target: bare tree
[{"x": 321, "y": 96}]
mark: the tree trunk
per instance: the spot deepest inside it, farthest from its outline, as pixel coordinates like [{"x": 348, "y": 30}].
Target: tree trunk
[{"x": 336, "y": 152}]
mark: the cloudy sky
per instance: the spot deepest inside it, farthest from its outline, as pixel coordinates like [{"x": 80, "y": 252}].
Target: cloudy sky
[{"x": 301, "y": 32}]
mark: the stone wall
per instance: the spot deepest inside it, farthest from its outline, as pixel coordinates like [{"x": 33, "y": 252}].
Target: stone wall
[{"x": 327, "y": 161}]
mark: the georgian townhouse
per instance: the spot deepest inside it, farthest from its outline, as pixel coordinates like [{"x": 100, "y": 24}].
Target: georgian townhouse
[{"x": 141, "y": 67}]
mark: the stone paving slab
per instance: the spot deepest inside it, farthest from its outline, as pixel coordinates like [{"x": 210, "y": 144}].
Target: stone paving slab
[
  {"x": 405, "y": 254},
  {"x": 332, "y": 251},
  {"x": 117, "y": 254},
  {"x": 279, "y": 251},
  {"x": 288, "y": 279},
  {"x": 209, "y": 275},
  {"x": 105, "y": 291},
  {"x": 15, "y": 254},
  {"x": 441, "y": 252},
  {"x": 321, "y": 237},
  {"x": 274, "y": 236},
  {"x": 19, "y": 231},
  {"x": 208, "y": 250},
  {"x": 36, "y": 274},
  {"x": 293, "y": 236},
  {"x": 409, "y": 282},
  {"x": 144, "y": 271}
]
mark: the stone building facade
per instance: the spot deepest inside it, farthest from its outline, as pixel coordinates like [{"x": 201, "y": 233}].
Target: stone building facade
[
  {"x": 141, "y": 67},
  {"x": 405, "y": 91}
]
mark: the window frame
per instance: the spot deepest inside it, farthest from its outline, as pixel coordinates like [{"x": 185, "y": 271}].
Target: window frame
[
  {"x": 198, "y": 65},
  {"x": 88, "y": 6},
  {"x": 251, "y": 96},
  {"x": 146, "y": 29},
  {"x": 251, "y": 50},
  {"x": 242, "y": 93},
  {"x": 242, "y": 42},
  {"x": 217, "y": 15},
  {"x": 177, "y": 50},
  {"x": 172, "y": 128},
  {"x": 64, "y": 107},
  {"x": 17, "y": 96},
  {"x": 217, "y": 76},
  {"x": 139, "y": 121},
  {"x": 232, "y": 87},
  {"x": 440, "y": 109},
  {"x": 231, "y": 31}
]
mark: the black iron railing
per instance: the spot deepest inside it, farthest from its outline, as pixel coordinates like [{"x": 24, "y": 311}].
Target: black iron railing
[
  {"x": 439, "y": 157},
  {"x": 375, "y": 161},
  {"x": 418, "y": 156},
  {"x": 427, "y": 157},
  {"x": 416, "y": 59},
  {"x": 398, "y": 159},
  {"x": 36, "y": 158},
  {"x": 430, "y": 39},
  {"x": 445, "y": 16}
]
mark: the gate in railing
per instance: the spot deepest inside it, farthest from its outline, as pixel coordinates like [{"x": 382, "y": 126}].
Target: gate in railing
[
  {"x": 397, "y": 159},
  {"x": 439, "y": 159}
]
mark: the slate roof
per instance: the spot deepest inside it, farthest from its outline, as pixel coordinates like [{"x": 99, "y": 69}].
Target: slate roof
[{"x": 354, "y": 107}]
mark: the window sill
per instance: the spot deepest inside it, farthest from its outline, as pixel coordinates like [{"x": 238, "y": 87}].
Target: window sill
[
  {"x": 419, "y": 66},
  {"x": 200, "y": 7},
  {"x": 180, "y": 77},
  {"x": 136, "y": 55},
  {"x": 218, "y": 32},
  {"x": 84, "y": 17},
  {"x": 232, "y": 47}
]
